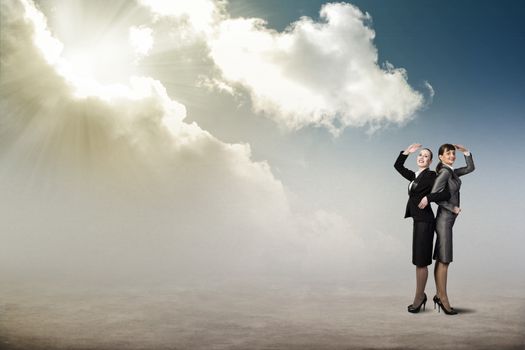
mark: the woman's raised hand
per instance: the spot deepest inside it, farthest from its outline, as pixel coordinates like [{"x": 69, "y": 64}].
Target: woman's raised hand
[
  {"x": 461, "y": 148},
  {"x": 412, "y": 148},
  {"x": 457, "y": 209}
]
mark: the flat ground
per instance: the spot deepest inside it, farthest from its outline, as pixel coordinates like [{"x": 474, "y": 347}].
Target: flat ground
[{"x": 254, "y": 316}]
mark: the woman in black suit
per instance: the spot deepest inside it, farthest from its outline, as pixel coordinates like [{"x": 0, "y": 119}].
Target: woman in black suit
[{"x": 420, "y": 187}]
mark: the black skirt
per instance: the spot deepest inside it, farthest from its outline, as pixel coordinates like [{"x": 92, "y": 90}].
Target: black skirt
[{"x": 422, "y": 238}]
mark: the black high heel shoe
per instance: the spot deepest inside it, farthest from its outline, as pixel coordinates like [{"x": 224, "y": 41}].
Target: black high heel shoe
[
  {"x": 415, "y": 310},
  {"x": 441, "y": 306}
]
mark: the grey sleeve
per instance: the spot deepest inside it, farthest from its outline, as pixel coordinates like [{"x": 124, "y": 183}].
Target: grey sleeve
[
  {"x": 441, "y": 185},
  {"x": 466, "y": 169}
]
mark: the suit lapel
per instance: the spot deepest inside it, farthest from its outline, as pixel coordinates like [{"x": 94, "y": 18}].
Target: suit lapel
[
  {"x": 452, "y": 172},
  {"x": 417, "y": 179},
  {"x": 421, "y": 173}
]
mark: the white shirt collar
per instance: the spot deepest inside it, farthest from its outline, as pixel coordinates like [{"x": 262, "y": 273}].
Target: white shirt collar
[{"x": 420, "y": 171}]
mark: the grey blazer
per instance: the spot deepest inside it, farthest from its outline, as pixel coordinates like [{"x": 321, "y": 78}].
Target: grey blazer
[{"x": 451, "y": 178}]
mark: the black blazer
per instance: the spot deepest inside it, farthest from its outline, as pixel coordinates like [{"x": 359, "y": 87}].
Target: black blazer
[{"x": 421, "y": 187}]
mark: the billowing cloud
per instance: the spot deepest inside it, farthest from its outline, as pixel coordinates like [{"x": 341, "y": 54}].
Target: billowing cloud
[{"x": 315, "y": 73}]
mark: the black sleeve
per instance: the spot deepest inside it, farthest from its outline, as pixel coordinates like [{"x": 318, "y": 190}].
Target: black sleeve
[
  {"x": 442, "y": 196},
  {"x": 406, "y": 173}
]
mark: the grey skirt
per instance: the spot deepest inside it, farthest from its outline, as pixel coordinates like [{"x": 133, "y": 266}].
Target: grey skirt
[{"x": 444, "y": 222}]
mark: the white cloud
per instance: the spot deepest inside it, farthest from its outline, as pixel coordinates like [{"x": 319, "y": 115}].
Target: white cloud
[
  {"x": 215, "y": 84},
  {"x": 141, "y": 39},
  {"x": 315, "y": 73},
  {"x": 200, "y": 14},
  {"x": 431, "y": 92}
]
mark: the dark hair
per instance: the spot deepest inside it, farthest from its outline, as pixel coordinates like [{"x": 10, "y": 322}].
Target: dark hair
[
  {"x": 429, "y": 151},
  {"x": 444, "y": 148}
]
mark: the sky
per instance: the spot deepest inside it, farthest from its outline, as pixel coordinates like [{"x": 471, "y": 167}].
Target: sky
[{"x": 253, "y": 137}]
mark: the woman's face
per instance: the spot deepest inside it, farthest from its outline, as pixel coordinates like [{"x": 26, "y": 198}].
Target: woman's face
[
  {"x": 448, "y": 157},
  {"x": 423, "y": 159}
]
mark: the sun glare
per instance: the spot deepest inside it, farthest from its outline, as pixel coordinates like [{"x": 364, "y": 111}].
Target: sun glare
[
  {"x": 106, "y": 61},
  {"x": 141, "y": 39},
  {"x": 201, "y": 13},
  {"x": 93, "y": 51}
]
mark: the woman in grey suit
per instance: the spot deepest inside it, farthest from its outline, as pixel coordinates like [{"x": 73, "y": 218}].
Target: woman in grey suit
[{"x": 446, "y": 216}]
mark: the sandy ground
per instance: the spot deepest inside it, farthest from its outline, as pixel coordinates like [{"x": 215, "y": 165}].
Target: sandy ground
[{"x": 253, "y": 316}]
